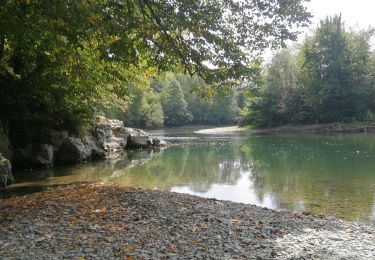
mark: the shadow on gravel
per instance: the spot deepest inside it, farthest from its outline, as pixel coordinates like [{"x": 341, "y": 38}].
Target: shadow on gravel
[{"x": 12, "y": 192}]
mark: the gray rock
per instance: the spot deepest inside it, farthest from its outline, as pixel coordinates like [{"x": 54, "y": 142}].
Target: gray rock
[
  {"x": 74, "y": 150},
  {"x": 5, "y": 147},
  {"x": 138, "y": 138},
  {"x": 56, "y": 138},
  {"x": 156, "y": 141},
  {"x": 96, "y": 152},
  {"x": 42, "y": 155},
  {"x": 34, "y": 156},
  {"x": 110, "y": 134},
  {"x": 6, "y": 176}
]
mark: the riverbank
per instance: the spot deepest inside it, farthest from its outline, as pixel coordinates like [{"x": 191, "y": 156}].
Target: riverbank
[
  {"x": 105, "y": 222},
  {"x": 348, "y": 128}
]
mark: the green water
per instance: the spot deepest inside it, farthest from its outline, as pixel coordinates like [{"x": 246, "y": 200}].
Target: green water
[{"x": 330, "y": 175}]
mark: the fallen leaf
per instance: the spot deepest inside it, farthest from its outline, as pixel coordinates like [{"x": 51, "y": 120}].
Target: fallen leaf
[
  {"x": 171, "y": 249},
  {"x": 119, "y": 252},
  {"x": 129, "y": 248},
  {"x": 196, "y": 241},
  {"x": 73, "y": 221}
]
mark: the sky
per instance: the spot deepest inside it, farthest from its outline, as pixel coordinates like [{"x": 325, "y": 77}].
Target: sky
[
  {"x": 358, "y": 14},
  {"x": 354, "y": 12}
]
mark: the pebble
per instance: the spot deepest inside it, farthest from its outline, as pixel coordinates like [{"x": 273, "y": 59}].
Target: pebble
[{"x": 91, "y": 221}]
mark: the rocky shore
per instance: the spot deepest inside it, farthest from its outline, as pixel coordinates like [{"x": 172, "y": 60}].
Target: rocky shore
[
  {"x": 112, "y": 222},
  {"x": 334, "y": 128},
  {"x": 321, "y": 129},
  {"x": 105, "y": 138}
]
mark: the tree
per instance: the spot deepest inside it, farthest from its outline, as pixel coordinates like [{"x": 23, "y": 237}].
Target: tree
[
  {"x": 174, "y": 105},
  {"x": 60, "y": 61},
  {"x": 278, "y": 98},
  {"x": 218, "y": 109},
  {"x": 329, "y": 79},
  {"x": 336, "y": 71}
]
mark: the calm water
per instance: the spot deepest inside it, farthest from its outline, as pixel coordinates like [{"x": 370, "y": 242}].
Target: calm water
[{"x": 330, "y": 175}]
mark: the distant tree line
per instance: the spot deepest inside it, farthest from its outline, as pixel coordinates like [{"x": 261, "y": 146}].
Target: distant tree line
[
  {"x": 171, "y": 100},
  {"x": 328, "y": 78}
]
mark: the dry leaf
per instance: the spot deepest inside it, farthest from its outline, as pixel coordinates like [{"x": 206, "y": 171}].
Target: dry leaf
[
  {"x": 171, "y": 249},
  {"x": 73, "y": 221}
]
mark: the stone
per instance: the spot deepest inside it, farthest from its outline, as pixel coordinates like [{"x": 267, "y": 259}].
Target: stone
[
  {"x": 72, "y": 150},
  {"x": 156, "y": 141},
  {"x": 75, "y": 150},
  {"x": 6, "y": 176},
  {"x": 5, "y": 147},
  {"x": 34, "y": 156},
  {"x": 56, "y": 138},
  {"x": 42, "y": 155},
  {"x": 138, "y": 138},
  {"x": 110, "y": 134},
  {"x": 96, "y": 152},
  {"x": 356, "y": 130}
]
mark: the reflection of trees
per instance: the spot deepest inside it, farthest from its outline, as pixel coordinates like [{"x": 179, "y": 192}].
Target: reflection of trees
[
  {"x": 331, "y": 174},
  {"x": 97, "y": 171},
  {"x": 198, "y": 166},
  {"x": 328, "y": 174}
]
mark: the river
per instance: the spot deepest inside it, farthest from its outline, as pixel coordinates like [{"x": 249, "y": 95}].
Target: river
[{"x": 324, "y": 174}]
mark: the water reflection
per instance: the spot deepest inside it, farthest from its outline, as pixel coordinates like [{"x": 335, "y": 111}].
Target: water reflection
[{"x": 331, "y": 175}]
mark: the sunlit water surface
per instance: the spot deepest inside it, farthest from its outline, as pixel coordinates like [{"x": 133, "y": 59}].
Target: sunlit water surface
[{"x": 330, "y": 175}]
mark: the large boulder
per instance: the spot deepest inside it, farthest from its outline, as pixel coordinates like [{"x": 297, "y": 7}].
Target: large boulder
[
  {"x": 75, "y": 150},
  {"x": 138, "y": 138},
  {"x": 34, "y": 156},
  {"x": 42, "y": 155},
  {"x": 110, "y": 134},
  {"x": 5, "y": 147},
  {"x": 56, "y": 138},
  {"x": 6, "y": 177}
]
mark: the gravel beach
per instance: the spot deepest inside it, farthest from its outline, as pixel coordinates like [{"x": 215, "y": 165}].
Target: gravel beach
[{"x": 112, "y": 222}]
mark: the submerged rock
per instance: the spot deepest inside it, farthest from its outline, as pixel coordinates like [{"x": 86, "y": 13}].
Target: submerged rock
[{"x": 6, "y": 176}]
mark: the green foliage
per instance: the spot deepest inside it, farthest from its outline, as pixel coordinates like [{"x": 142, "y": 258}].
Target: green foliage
[
  {"x": 61, "y": 61},
  {"x": 330, "y": 79},
  {"x": 278, "y": 98},
  {"x": 174, "y": 105},
  {"x": 172, "y": 100},
  {"x": 336, "y": 67},
  {"x": 215, "y": 110}
]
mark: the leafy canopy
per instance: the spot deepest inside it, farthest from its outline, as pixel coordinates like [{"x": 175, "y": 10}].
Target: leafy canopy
[
  {"x": 62, "y": 59},
  {"x": 330, "y": 78},
  {"x": 218, "y": 40}
]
